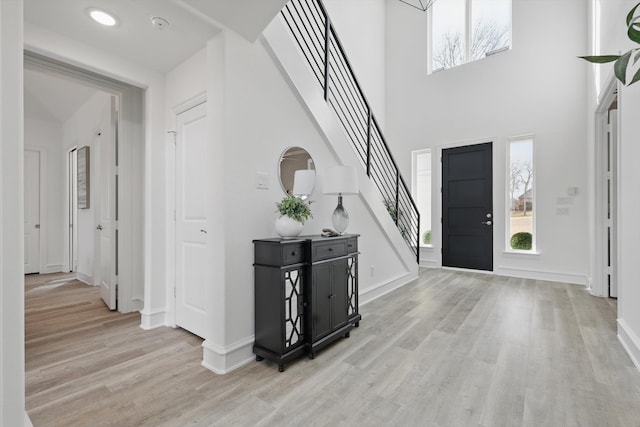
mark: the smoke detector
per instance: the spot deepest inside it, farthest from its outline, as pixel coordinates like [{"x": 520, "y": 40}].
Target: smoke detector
[{"x": 159, "y": 23}]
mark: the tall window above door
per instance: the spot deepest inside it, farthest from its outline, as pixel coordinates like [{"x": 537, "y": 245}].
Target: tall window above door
[
  {"x": 466, "y": 30},
  {"x": 421, "y": 189},
  {"x": 521, "y": 201}
]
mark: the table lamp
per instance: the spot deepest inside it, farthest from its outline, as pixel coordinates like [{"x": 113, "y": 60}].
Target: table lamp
[{"x": 340, "y": 180}]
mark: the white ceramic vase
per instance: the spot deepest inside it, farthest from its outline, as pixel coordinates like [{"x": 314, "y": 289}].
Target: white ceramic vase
[{"x": 287, "y": 227}]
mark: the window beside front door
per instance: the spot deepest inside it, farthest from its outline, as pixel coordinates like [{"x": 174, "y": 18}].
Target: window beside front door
[
  {"x": 521, "y": 195},
  {"x": 421, "y": 189}
]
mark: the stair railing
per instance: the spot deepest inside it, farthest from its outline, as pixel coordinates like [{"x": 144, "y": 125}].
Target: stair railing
[{"x": 314, "y": 33}]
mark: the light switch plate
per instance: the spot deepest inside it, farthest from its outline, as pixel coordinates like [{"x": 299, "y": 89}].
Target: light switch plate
[{"x": 262, "y": 180}]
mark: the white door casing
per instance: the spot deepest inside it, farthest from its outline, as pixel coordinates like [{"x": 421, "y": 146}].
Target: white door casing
[
  {"x": 31, "y": 211},
  {"x": 612, "y": 183},
  {"x": 107, "y": 217},
  {"x": 192, "y": 175}
]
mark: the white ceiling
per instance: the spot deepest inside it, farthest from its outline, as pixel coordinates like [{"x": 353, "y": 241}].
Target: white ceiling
[
  {"x": 56, "y": 96},
  {"x": 246, "y": 17},
  {"x": 135, "y": 39}
]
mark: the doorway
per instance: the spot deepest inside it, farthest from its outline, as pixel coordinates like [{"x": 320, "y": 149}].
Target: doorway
[
  {"x": 606, "y": 201},
  {"x": 467, "y": 207},
  {"x": 129, "y": 198}
]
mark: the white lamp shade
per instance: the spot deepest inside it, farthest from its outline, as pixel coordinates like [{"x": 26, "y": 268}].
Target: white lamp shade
[
  {"x": 341, "y": 180},
  {"x": 303, "y": 182}
]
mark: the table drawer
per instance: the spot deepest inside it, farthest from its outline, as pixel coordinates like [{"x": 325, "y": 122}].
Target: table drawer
[
  {"x": 327, "y": 250},
  {"x": 352, "y": 245},
  {"x": 293, "y": 253}
]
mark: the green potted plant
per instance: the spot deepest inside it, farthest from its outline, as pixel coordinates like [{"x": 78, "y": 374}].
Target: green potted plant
[
  {"x": 622, "y": 61},
  {"x": 293, "y": 213}
]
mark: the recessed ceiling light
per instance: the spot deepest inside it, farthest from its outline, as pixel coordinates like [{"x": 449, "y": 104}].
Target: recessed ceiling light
[{"x": 102, "y": 17}]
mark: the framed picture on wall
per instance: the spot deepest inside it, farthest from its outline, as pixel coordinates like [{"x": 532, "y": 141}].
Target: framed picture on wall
[{"x": 84, "y": 186}]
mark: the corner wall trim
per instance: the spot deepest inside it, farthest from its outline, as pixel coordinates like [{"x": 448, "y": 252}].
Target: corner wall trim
[
  {"x": 87, "y": 280},
  {"x": 630, "y": 341},
  {"x": 152, "y": 319},
  {"x": 222, "y": 360}
]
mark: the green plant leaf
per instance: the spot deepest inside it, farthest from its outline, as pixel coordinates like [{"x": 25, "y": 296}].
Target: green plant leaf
[
  {"x": 600, "y": 59},
  {"x": 634, "y": 30},
  {"x": 633, "y": 25},
  {"x": 294, "y": 207},
  {"x": 631, "y": 13},
  {"x": 620, "y": 67},
  {"x": 635, "y": 78},
  {"x": 637, "y": 56}
]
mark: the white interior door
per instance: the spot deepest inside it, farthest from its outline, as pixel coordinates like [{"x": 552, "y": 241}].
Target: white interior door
[
  {"x": 31, "y": 211},
  {"x": 191, "y": 219},
  {"x": 107, "y": 232}
]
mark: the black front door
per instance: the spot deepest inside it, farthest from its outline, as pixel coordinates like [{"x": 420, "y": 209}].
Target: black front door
[{"x": 467, "y": 207}]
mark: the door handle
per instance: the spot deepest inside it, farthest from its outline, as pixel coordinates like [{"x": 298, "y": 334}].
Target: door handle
[
  {"x": 99, "y": 227},
  {"x": 487, "y": 222},
  {"x": 203, "y": 231}
]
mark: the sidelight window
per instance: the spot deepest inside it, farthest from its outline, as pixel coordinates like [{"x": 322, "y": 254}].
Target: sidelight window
[
  {"x": 521, "y": 195},
  {"x": 421, "y": 189}
]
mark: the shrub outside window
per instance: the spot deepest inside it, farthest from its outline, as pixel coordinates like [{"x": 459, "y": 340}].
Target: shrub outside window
[
  {"x": 466, "y": 30},
  {"x": 521, "y": 195}
]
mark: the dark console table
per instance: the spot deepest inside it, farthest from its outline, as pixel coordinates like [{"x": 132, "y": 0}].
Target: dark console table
[{"x": 306, "y": 295}]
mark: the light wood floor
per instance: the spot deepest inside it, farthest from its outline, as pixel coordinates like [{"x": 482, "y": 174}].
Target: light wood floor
[{"x": 450, "y": 349}]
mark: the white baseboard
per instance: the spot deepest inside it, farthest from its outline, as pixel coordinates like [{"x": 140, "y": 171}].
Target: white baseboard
[
  {"x": 85, "y": 279},
  {"x": 51, "y": 268},
  {"x": 151, "y": 320},
  {"x": 380, "y": 289},
  {"x": 630, "y": 341},
  {"x": 223, "y": 360},
  {"x": 27, "y": 420},
  {"x": 577, "y": 279},
  {"x": 429, "y": 263}
]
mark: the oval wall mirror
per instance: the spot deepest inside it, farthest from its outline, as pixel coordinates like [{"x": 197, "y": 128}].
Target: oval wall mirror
[{"x": 297, "y": 172}]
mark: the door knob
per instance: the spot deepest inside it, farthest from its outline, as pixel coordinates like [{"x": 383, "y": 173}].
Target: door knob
[
  {"x": 99, "y": 227},
  {"x": 487, "y": 222}
]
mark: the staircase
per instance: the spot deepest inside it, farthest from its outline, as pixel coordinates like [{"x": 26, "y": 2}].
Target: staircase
[
  {"x": 335, "y": 85},
  {"x": 311, "y": 27}
]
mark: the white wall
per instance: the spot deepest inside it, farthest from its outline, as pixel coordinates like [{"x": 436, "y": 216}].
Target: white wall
[
  {"x": 43, "y": 133},
  {"x": 613, "y": 40},
  {"x": 361, "y": 27},
  {"x": 254, "y": 115},
  {"x": 263, "y": 113},
  {"x": 12, "y": 403},
  {"x": 537, "y": 87},
  {"x": 81, "y": 130}
]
